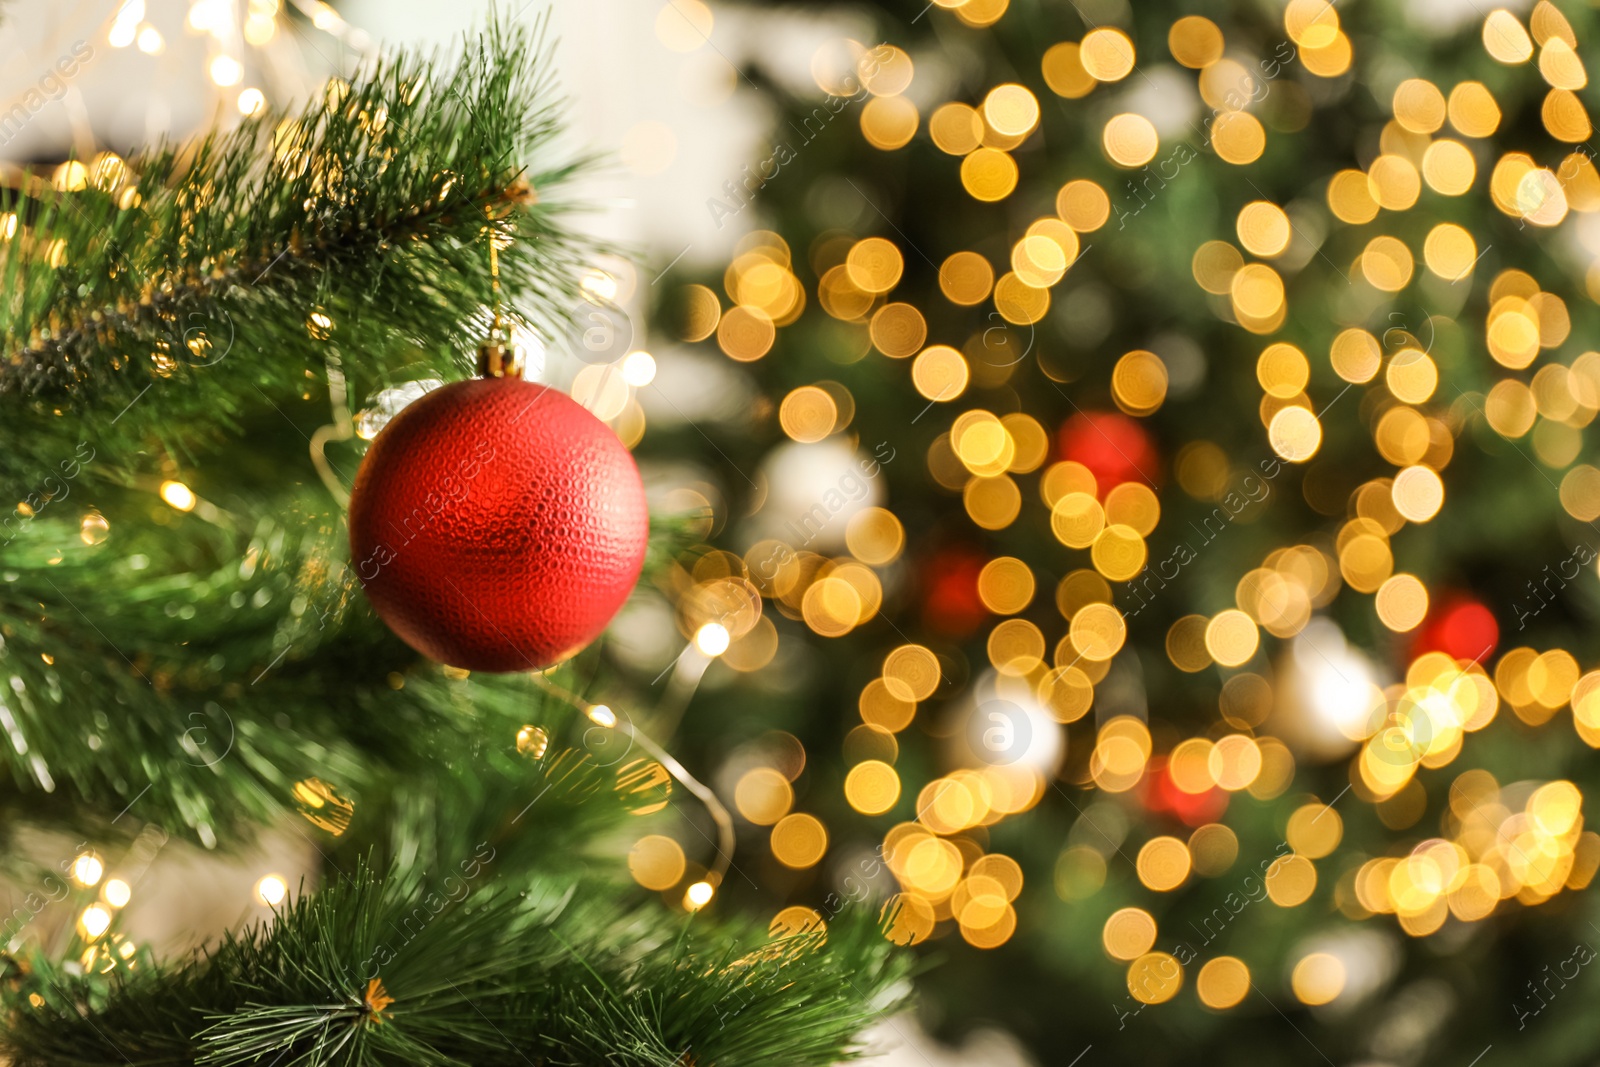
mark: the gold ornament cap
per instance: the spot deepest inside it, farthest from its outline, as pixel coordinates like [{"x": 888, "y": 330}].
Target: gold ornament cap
[{"x": 499, "y": 356}]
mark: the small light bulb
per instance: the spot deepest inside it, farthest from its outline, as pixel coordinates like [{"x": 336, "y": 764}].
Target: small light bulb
[
  {"x": 95, "y": 920},
  {"x": 251, "y": 101},
  {"x": 178, "y": 495},
  {"x": 712, "y": 639},
  {"x": 225, "y": 70},
  {"x": 698, "y": 896},
  {"x": 325, "y": 18},
  {"x": 272, "y": 889},
  {"x": 93, "y": 528},
  {"x": 533, "y": 741},
  {"x": 151, "y": 42},
  {"x": 603, "y": 715},
  {"x": 639, "y": 369},
  {"x": 87, "y": 869},
  {"x": 117, "y": 893},
  {"x": 70, "y": 176}
]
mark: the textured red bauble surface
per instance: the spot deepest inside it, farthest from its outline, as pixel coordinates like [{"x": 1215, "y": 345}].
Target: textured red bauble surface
[{"x": 496, "y": 525}]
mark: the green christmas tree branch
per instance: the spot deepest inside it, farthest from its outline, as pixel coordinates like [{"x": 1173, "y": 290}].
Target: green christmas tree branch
[
  {"x": 194, "y": 298},
  {"x": 376, "y": 972}
]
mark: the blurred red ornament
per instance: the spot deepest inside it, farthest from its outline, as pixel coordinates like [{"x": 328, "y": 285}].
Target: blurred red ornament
[
  {"x": 1115, "y": 448},
  {"x": 496, "y": 525},
  {"x": 1458, "y": 626},
  {"x": 951, "y": 604},
  {"x": 1161, "y": 794}
]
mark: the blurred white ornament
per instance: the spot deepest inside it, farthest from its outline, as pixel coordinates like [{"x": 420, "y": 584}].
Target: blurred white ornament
[
  {"x": 387, "y": 403},
  {"x": 690, "y": 387},
  {"x": 813, "y": 490},
  {"x": 1167, "y": 98},
  {"x": 1370, "y": 958},
  {"x": 1004, "y": 726},
  {"x": 1328, "y": 696}
]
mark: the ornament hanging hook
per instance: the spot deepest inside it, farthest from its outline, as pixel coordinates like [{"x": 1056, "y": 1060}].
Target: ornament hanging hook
[{"x": 499, "y": 356}]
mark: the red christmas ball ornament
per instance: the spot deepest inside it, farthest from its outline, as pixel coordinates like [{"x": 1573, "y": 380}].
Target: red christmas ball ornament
[
  {"x": 496, "y": 525},
  {"x": 1115, "y": 448},
  {"x": 1161, "y": 794},
  {"x": 1458, "y": 626},
  {"x": 950, "y": 603}
]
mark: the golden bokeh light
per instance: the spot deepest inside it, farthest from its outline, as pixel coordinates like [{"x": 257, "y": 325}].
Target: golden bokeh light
[
  {"x": 1318, "y": 978},
  {"x": 1402, "y": 602},
  {"x": 988, "y": 174},
  {"x": 808, "y": 414},
  {"x": 1139, "y": 382},
  {"x": 799, "y": 840},
  {"x": 872, "y": 787},
  {"x": 898, "y": 330},
  {"x": 1418, "y": 493},
  {"x": 1064, "y": 72},
  {"x": 1195, "y": 41},
  {"x": 1295, "y": 434},
  {"x": 1005, "y": 585},
  {"x": 1011, "y": 110},
  {"x": 656, "y": 862},
  {"x": 1107, "y": 54},
  {"x": 1263, "y": 228},
  {"x": 1155, "y": 978},
  {"x": 940, "y": 373},
  {"x": 889, "y": 122},
  {"x": 763, "y": 796},
  {"x": 1473, "y": 110},
  {"x": 1222, "y": 982},
  {"x": 1163, "y": 863},
  {"x": 1238, "y": 137},
  {"x": 911, "y": 672},
  {"x": 1130, "y": 140},
  {"x": 874, "y": 265},
  {"x": 1083, "y": 205},
  {"x": 1128, "y": 934},
  {"x": 1232, "y": 638},
  {"x": 1505, "y": 38}
]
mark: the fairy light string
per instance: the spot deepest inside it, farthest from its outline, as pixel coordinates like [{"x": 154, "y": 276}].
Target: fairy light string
[{"x": 700, "y": 893}]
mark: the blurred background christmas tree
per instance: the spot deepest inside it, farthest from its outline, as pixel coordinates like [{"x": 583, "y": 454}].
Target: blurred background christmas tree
[{"x": 1164, "y": 477}]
